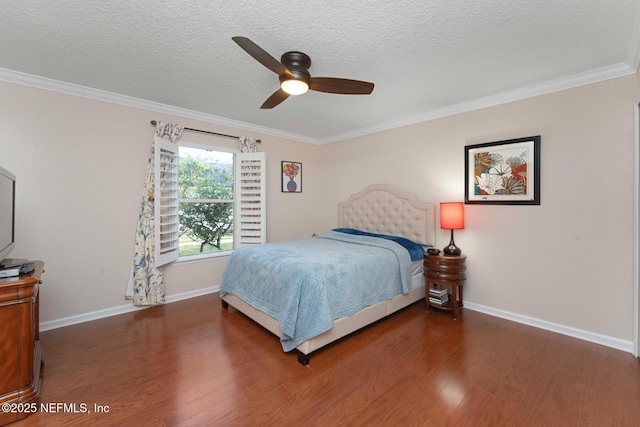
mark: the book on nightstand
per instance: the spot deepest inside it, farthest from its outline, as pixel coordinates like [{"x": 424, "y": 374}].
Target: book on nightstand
[
  {"x": 438, "y": 291},
  {"x": 439, "y": 300}
]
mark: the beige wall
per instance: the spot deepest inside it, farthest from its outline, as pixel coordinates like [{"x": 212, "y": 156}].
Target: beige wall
[
  {"x": 80, "y": 167},
  {"x": 568, "y": 261}
]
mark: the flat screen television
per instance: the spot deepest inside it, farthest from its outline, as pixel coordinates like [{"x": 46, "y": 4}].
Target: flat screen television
[{"x": 7, "y": 213}]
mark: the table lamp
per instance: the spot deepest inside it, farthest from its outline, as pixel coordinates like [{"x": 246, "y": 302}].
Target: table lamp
[{"x": 452, "y": 218}]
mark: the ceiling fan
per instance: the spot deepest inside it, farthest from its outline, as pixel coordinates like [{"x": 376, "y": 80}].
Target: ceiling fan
[{"x": 294, "y": 77}]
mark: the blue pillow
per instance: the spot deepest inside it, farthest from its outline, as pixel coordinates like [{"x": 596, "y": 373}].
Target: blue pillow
[{"x": 416, "y": 252}]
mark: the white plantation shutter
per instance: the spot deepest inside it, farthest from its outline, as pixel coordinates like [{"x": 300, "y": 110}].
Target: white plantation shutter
[
  {"x": 250, "y": 224},
  {"x": 166, "y": 201}
]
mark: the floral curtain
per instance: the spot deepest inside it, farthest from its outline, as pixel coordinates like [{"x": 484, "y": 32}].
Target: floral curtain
[
  {"x": 145, "y": 285},
  {"x": 247, "y": 145}
]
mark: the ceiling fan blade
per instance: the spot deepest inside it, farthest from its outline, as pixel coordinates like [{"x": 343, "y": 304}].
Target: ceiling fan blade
[
  {"x": 261, "y": 55},
  {"x": 340, "y": 86},
  {"x": 276, "y": 98}
]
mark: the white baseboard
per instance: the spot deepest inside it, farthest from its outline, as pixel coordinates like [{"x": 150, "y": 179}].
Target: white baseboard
[
  {"x": 554, "y": 327},
  {"x": 114, "y": 311},
  {"x": 624, "y": 345}
]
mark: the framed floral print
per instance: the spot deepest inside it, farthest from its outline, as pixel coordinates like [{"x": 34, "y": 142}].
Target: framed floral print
[
  {"x": 503, "y": 172},
  {"x": 291, "y": 177}
]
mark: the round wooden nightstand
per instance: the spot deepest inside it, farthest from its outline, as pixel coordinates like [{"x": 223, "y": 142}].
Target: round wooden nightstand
[{"x": 442, "y": 273}]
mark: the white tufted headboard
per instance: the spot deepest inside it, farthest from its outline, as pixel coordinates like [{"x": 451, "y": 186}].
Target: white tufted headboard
[{"x": 384, "y": 209}]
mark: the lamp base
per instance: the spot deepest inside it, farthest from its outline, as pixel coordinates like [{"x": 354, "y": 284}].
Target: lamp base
[{"x": 451, "y": 248}]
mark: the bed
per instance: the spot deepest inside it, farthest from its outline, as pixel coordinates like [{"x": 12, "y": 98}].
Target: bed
[{"x": 374, "y": 225}]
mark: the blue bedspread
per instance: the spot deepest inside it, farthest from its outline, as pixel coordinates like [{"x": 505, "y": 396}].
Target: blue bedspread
[
  {"x": 416, "y": 252},
  {"x": 306, "y": 284}
]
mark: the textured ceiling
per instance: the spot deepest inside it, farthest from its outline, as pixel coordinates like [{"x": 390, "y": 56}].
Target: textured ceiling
[{"x": 424, "y": 56}]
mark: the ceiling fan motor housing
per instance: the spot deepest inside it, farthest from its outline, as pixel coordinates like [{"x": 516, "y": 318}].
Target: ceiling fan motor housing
[{"x": 297, "y": 63}]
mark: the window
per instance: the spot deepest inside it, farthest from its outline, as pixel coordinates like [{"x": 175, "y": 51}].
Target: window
[
  {"x": 218, "y": 197},
  {"x": 205, "y": 190}
]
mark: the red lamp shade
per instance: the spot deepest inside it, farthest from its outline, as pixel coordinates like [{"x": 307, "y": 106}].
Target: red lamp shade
[{"x": 452, "y": 215}]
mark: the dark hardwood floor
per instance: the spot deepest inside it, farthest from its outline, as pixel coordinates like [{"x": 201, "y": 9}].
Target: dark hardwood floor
[{"x": 191, "y": 363}]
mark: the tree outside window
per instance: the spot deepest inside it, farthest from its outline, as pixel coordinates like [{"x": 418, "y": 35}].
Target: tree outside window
[{"x": 206, "y": 201}]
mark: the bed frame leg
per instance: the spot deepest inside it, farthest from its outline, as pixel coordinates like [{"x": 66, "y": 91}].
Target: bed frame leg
[
  {"x": 303, "y": 358},
  {"x": 225, "y": 304}
]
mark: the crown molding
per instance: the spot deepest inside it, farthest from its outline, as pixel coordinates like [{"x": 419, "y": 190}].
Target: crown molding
[
  {"x": 115, "y": 98},
  {"x": 580, "y": 79}
]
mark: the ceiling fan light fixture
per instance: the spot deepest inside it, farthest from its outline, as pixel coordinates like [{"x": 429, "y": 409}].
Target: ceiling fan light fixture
[
  {"x": 294, "y": 86},
  {"x": 292, "y": 71}
]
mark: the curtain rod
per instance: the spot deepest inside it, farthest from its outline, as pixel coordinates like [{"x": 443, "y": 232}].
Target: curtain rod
[{"x": 154, "y": 123}]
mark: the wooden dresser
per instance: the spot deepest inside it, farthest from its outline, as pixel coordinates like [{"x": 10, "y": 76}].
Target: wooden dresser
[{"x": 20, "y": 351}]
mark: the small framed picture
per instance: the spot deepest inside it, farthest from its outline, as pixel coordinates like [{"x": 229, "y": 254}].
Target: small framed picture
[
  {"x": 503, "y": 172},
  {"x": 291, "y": 177}
]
